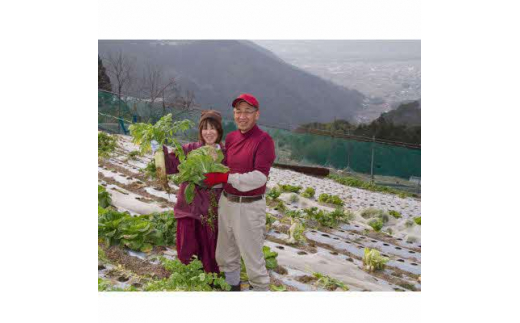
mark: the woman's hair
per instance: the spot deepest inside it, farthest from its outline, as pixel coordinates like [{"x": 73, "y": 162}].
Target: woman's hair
[{"x": 217, "y": 125}]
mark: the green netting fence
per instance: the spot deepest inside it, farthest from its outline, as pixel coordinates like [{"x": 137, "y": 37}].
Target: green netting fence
[{"x": 353, "y": 155}]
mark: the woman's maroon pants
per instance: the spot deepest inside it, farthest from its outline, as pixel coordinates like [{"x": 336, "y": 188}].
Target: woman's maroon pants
[{"x": 197, "y": 239}]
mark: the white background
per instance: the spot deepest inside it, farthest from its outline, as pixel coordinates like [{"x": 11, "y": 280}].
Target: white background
[{"x": 469, "y": 158}]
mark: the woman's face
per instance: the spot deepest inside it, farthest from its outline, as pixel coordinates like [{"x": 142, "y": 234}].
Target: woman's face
[{"x": 210, "y": 134}]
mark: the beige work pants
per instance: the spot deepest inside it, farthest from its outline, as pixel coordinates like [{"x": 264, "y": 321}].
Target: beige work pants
[{"x": 241, "y": 231}]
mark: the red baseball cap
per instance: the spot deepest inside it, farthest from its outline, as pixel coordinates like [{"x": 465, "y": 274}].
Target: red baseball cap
[{"x": 246, "y": 97}]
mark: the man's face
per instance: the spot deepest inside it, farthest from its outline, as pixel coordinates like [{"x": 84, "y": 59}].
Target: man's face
[{"x": 245, "y": 116}]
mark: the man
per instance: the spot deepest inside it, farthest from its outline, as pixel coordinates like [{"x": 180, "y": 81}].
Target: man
[{"x": 242, "y": 207}]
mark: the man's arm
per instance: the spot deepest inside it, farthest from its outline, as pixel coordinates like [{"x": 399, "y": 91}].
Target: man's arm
[
  {"x": 264, "y": 159},
  {"x": 247, "y": 181}
]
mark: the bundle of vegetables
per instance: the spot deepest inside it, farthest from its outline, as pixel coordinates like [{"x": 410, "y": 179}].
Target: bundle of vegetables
[
  {"x": 197, "y": 163},
  {"x": 162, "y": 132},
  {"x": 372, "y": 260}
]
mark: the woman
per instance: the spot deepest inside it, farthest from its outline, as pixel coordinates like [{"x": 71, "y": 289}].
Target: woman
[{"x": 196, "y": 223}]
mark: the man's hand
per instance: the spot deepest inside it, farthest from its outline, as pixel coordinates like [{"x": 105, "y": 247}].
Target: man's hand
[{"x": 215, "y": 178}]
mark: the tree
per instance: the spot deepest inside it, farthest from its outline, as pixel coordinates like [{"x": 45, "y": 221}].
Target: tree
[
  {"x": 155, "y": 87},
  {"x": 103, "y": 79},
  {"x": 120, "y": 68}
]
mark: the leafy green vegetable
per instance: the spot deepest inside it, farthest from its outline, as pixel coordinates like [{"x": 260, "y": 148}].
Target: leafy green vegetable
[
  {"x": 395, "y": 214},
  {"x": 417, "y": 220},
  {"x": 280, "y": 206},
  {"x": 274, "y": 193},
  {"x": 294, "y": 214},
  {"x": 165, "y": 226},
  {"x": 108, "y": 223},
  {"x": 309, "y": 192},
  {"x": 162, "y": 132},
  {"x": 197, "y": 163},
  {"x": 104, "y": 199},
  {"x": 372, "y": 212},
  {"x": 290, "y": 188},
  {"x": 296, "y": 232},
  {"x": 269, "y": 220},
  {"x": 137, "y": 232},
  {"x": 103, "y": 285},
  {"x": 293, "y": 198},
  {"x": 270, "y": 258},
  {"x": 106, "y": 145},
  {"x": 280, "y": 288},
  {"x": 189, "y": 277},
  {"x": 150, "y": 171},
  {"x": 328, "y": 219},
  {"x": 331, "y": 199},
  {"x": 328, "y": 282},
  {"x": 102, "y": 257},
  {"x": 376, "y": 224},
  {"x": 372, "y": 260},
  {"x": 133, "y": 154}
]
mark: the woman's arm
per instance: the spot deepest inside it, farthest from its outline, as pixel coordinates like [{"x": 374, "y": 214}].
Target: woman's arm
[{"x": 171, "y": 161}]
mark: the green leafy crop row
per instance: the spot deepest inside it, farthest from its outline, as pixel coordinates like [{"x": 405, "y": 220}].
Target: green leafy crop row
[
  {"x": 106, "y": 144},
  {"x": 137, "y": 232},
  {"x": 309, "y": 192},
  {"x": 189, "y": 277},
  {"x": 329, "y": 283},
  {"x": 354, "y": 182},
  {"x": 328, "y": 219},
  {"x": 331, "y": 199},
  {"x": 290, "y": 188}
]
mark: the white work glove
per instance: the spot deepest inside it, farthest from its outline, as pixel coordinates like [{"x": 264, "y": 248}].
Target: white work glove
[{"x": 155, "y": 146}]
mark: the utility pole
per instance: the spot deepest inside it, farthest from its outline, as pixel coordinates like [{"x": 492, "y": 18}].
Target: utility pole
[{"x": 372, "y": 162}]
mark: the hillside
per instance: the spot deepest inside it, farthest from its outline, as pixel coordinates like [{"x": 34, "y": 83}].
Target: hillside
[
  {"x": 402, "y": 124},
  {"x": 217, "y": 71},
  {"x": 407, "y": 114}
]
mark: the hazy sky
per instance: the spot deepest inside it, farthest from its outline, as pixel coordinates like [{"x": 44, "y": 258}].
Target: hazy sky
[{"x": 346, "y": 49}]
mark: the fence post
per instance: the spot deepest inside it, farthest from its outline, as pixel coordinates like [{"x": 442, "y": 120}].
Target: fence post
[
  {"x": 372, "y": 162},
  {"x": 348, "y": 151}
]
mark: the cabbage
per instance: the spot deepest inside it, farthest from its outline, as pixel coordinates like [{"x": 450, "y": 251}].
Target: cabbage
[
  {"x": 197, "y": 163},
  {"x": 372, "y": 260}
]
